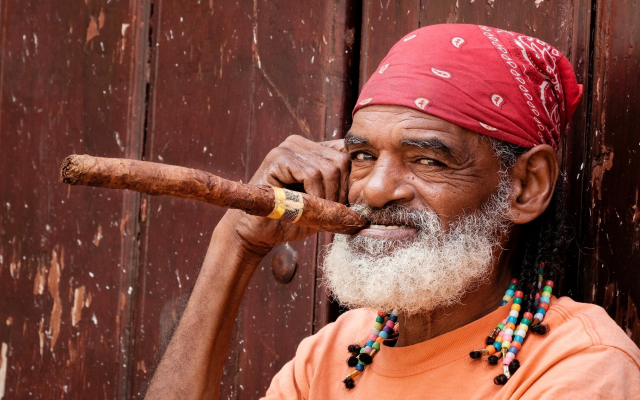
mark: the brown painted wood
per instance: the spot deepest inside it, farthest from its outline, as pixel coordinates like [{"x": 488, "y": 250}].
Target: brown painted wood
[
  {"x": 612, "y": 200},
  {"x": 222, "y": 94},
  {"x": 67, "y": 255}
]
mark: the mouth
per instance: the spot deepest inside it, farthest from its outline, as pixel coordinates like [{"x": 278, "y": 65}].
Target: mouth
[{"x": 388, "y": 231}]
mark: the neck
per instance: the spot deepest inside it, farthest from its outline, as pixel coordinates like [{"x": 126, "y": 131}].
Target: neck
[{"x": 418, "y": 328}]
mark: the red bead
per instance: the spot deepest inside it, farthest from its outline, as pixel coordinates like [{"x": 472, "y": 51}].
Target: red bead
[
  {"x": 516, "y": 344},
  {"x": 528, "y": 316},
  {"x": 390, "y": 324},
  {"x": 514, "y": 280},
  {"x": 549, "y": 283},
  {"x": 544, "y": 306},
  {"x": 518, "y": 293},
  {"x": 382, "y": 313}
]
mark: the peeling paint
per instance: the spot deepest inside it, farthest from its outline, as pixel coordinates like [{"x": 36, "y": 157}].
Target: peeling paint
[
  {"x": 602, "y": 163},
  {"x": 56, "y": 311},
  {"x": 98, "y": 236},
  {"x": 14, "y": 269},
  {"x": 40, "y": 279},
  {"x": 92, "y": 29},
  {"x": 78, "y": 304},
  {"x": 3, "y": 368}
]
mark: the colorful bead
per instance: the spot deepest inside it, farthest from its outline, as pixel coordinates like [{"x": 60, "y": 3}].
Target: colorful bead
[
  {"x": 382, "y": 313},
  {"x": 514, "y": 313},
  {"x": 491, "y": 349},
  {"x": 526, "y": 321},
  {"x": 538, "y": 316},
  {"x": 384, "y": 335},
  {"x": 509, "y": 293},
  {"x": 506, "y": 345},
  {"x": 518, "y": 339},
  {"x": 507, "y": 332},
  {"x": 393, "y": 318},
  {"x": 390, "y": 324},
  {"x": 544, "y": 299},
  {"x": 512, "y": 320},
  {"x": 549, "y": 283},
  {"x": 375, "y": 331},
  {"x": 376, "y": 346},
  {"x": 546, "y": 294},
  {"x": 517, "y": 300},
  {"x": 501, "y": 324},
  {"x": 380, "y": 339},
  {"x": 514, "y": 280},
  {"x": 527, "y": 315},
  {"x": 369, "y": 343},
  {"x": 379, "y": 319},
  {"x": 520, "y": 332},
  {"x": 360, "y": 367},
  {"x": 510, "y": 325},
  {"x": 547, "y": 289},
  {"x": 513, "y": 286},
  {"x": 377, "y": 325},
  {"x": 366, "y": 349},
  {"x": 515, "y": 307},
  {"x": 516, "y": 344},
  {"x": 513, "y": 350},
  {"x": 518, "y": 294},
  {"x": 386, "y": 330},
  {"x": 545, "y": 306}
]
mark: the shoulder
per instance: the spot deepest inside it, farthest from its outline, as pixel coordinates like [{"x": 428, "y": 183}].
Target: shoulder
[
  {"x": 351, "y": 327},
  {"x": 320, "y": 361},
  {"x": 588, "y": 325}
]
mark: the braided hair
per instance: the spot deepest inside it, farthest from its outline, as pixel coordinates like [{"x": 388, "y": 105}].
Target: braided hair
[{"x": 545, "y": 238}]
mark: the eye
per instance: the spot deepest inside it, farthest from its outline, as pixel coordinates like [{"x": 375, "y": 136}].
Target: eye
[
  {"x": 360, "y": 156},
  {"x": 429, "y": 161}
]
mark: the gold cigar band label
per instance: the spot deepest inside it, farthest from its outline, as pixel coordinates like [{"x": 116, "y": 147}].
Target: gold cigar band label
[{"x": 289, "y": 205}]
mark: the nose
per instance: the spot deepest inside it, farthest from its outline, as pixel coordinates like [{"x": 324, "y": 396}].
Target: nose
[{"x": 387, "y": 185}]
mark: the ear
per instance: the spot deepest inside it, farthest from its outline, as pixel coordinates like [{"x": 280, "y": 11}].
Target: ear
[{"x": 534, "y": 180}]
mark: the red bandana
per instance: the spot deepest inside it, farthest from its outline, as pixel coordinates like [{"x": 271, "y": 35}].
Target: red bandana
[{"x": 502, "y": 84}]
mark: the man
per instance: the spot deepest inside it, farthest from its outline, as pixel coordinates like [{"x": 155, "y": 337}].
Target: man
[{"x": 452, "y": 159}]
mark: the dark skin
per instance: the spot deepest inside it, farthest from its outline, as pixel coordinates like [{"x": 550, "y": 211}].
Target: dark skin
[{"x": 392, "y": 155}]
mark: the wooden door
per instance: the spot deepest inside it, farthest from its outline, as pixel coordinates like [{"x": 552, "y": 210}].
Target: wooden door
[{"x": 92, "y": 281}]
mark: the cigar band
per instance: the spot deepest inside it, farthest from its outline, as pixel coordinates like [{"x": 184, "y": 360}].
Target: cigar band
[{"x": 289, "y": 205}]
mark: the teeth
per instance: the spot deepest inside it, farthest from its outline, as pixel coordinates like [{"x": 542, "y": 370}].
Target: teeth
[{"x": 388, "y": 226}]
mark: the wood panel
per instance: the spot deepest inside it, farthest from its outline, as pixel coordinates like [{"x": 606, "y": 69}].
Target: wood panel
[
  {"x": 612, "y": 201},
  {"x": 67, "y": 256},
  {"x": 227, "y": 84}
]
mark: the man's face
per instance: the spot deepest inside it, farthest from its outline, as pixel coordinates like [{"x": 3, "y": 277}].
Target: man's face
[
  {"x": 437, "y": 201},
  {"x": 406, "y": 157}
]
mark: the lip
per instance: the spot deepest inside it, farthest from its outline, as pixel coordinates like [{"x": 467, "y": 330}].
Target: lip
[{"x": 397, "y": 233}]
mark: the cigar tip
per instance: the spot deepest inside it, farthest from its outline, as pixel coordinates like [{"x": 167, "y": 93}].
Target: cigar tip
[{"x": 68, "y": 171}]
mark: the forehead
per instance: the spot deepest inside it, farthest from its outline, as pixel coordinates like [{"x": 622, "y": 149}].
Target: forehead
[{"x": 386, "y": 125}]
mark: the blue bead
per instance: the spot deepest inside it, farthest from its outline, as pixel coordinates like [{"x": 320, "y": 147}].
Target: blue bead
[
  {"x": 518, "y": 339},
  {"x": 513, "y": 320},
  {"x": 509, "y": 293},
  {"x": 503, "y": 303},
  {"x": 544, "y": 299},
  {"x": 542, "y": 311},
  {"x": 383, "y": 335},
  {"x": 513, "y": 350},
  {"x": 360, "y": 367},
  {"x": 497, "y": 345},
  {"x": 393, "y": 318},
  {"x": 370, "y": 343}
]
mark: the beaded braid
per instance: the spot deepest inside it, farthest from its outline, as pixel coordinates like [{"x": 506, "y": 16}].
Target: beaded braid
[{"x": 541, "y": 267}]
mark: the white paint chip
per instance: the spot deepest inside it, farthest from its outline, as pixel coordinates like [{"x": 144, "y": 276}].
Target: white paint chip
[{"x": 3, "y": 368}]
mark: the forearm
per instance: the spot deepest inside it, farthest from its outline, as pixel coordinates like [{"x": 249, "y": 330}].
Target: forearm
[{"x": 192, "y": 364}]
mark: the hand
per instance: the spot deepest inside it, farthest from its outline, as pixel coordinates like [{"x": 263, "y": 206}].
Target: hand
[{"x": 320, "y": 169}]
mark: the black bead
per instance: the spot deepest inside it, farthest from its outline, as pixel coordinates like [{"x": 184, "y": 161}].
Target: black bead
[
  {"x": 354, "y": 349},
  {"x": 352, "y": 361},
  {"x": 349, "y": 383},
  {"x": 475, "y": 354},
  {"x": 489, "y": 341},
  {"x": 513, "y": 367},
  {"x": 500, "y": 379},
  {"x": 493, "y": 360},
  {"x": 365, "y": 358}
]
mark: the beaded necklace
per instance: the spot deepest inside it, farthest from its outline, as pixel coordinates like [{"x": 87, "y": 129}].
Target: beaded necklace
[{"x": 505, "y": 341}]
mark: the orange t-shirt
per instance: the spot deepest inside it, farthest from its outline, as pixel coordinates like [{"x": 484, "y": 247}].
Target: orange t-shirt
[{"x": 584, "y": 356}]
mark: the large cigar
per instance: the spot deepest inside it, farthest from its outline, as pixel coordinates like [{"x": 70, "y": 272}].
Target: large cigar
[{"x": 168, "y": 180}]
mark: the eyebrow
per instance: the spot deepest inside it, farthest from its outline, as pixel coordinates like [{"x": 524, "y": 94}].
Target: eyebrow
[
  {"x": 434, "y": 144},
  {"x": 351, "y": 138}
]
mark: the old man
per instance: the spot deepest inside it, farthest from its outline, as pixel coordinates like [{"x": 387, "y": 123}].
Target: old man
[{"x": 452, "y": 159}]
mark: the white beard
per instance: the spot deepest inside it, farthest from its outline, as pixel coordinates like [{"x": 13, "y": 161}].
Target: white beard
[{"x": 435, "y": 270}]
